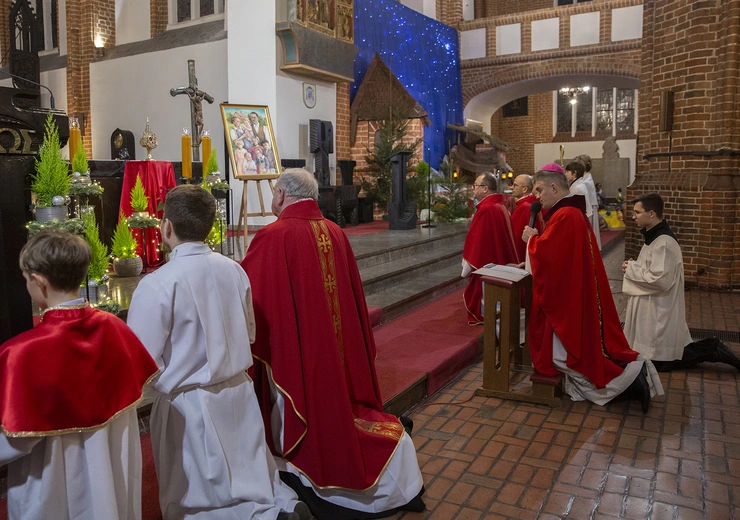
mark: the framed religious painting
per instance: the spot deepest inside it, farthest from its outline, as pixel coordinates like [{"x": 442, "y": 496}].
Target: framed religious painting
[{"x": 251, "y": 141}]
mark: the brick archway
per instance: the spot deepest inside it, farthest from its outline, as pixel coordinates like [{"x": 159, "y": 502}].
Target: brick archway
[{"x": 482, "y": 76}]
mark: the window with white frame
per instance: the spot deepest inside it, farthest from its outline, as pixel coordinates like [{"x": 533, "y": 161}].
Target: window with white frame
[
  {"x": 596, "y": 111},
  {"x": 46, "y": 15},
  {"x": 187, "y": 10}
]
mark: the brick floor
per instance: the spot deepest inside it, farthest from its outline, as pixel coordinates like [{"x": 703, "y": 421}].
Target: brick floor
[{"x": 492, "y": 459}]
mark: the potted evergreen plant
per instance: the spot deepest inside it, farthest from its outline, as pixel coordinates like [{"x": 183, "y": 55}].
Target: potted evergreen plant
[
  {"x": 125, "y": 260},
  {"x": 213, "y": 183},
  {"x": 96, "y": 272},
  {"x": 139, "y": 199},
  {"x": 83, "y": 187},
  {"x": 51, "y": 182}
]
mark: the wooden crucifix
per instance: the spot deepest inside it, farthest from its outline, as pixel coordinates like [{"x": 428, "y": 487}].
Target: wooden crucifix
[{"x": 196, "y": 107}]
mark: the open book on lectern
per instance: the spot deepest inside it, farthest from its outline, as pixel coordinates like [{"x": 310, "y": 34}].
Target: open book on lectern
[{"x": 504, "y": 272}]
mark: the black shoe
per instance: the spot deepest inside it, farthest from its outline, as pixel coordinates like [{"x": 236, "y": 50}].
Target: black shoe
[
  {"x": 407, "y": 423},
  {"x": 725, "y": 355},
  {"x": 288, "y": 516},
  {"x": 640, "y": 389},
  {"x": 303, "y": 512}
]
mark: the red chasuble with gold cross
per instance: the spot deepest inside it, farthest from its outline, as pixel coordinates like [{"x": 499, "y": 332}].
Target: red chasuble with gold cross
[
  {"x": 315, "y": 341},
  {"x": 76, "y": 371},
  {"x": 571, "y": 298}
]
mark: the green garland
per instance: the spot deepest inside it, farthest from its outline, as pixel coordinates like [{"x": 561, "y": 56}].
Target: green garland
[
  {"x": 52, "y": 173},
  {"x": 86, "y": 190},
  {"x": 111, "y": 306},
  {"x": 124, "y": 243},
  {"x": 73, "y": 225},
  {"x": 139, "y": 200},
  {"x": 143, "y": 222}
]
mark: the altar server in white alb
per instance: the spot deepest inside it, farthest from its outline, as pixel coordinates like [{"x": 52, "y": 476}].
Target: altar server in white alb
[
  {"x": 592, "y": 199},
  {"x": 655, "y": 324},
  {"x": 69, "y": 387},
  {"x": 195, "y": 317}
]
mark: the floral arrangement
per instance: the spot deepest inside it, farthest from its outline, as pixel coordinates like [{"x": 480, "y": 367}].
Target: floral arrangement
[
  {"x": 124, "y": 244},
  {"x": 139, "y": 199},
  {"x": 51, "y": 182}
]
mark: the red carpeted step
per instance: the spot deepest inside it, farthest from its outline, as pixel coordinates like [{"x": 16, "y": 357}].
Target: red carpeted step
[
  {"x": 433, "y": 339},
  {"x": 376, "y": 313}
]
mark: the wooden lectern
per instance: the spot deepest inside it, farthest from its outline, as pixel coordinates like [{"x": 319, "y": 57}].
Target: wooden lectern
[{"x": 498, "y": 350}]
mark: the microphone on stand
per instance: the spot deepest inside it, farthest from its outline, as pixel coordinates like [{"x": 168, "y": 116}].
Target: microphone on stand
[
  {"x": 534, "y": 209},
  {"x": 51, "y": 95}
]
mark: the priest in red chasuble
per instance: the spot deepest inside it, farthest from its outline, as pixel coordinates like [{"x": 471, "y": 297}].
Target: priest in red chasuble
[
  {"x": 314, "y": 366},
  {"x": 574, "y": 327},
  {"x": 69, "y": 431},
  {"x": 490, "y": 240},
  {"x": 522, "y": 190}
]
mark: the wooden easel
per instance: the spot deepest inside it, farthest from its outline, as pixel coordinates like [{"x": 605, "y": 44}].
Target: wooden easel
[
  {"x": 243, "y": 213},
  {"x": 498, "y": 350}
]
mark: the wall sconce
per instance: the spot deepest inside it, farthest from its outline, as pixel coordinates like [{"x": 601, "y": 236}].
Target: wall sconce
[{"x": 99, "y": 42}]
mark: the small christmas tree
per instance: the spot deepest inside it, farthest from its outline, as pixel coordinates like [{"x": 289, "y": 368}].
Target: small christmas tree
[
  {"x": 99, "y": 263},
  {"x": 139, "y": 200},
  {"x": 124, "y": 243},
  {"x": 79, "y": 161},
  {"x": 52, "y": 177},
  {"x": 212, "y": 165}
]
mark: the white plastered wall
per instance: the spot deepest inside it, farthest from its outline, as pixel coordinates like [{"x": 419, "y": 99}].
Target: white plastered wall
[
  {"x": 550, "y": 152},
  {"x": 120, "y": 98},
  {"x": 132, "y": 21}
]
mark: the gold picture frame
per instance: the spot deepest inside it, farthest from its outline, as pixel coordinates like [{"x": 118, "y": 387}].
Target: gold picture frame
[{"x": 247, "y": 128}]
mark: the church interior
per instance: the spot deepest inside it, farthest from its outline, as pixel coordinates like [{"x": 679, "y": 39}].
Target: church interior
[{"x": 146, "y": 95}]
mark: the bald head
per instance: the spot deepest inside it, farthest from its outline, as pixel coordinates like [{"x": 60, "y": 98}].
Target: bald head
[{"x": 522, "y": 186}]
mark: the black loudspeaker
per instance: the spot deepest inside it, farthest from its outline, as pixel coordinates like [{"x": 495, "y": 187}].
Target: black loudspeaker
[{"x": 666, "y": 111}]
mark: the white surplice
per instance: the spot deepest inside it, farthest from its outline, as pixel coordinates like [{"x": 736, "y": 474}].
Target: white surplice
[
  {"x": 195, "y": 317},
  {"x": 398, "y": 484},
  {"x": 85, "y": 476},
  {"x": 592, "y": 199},
  {"x": 655, "y": 324}
]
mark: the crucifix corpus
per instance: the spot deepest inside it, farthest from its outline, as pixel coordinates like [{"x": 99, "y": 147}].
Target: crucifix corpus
[{"x": 196, "y": 107}]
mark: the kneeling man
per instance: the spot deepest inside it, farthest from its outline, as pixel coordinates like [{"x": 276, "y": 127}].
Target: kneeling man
[
  {"x": 315, "y": 366},
  {"x": 574, "y": 327}
]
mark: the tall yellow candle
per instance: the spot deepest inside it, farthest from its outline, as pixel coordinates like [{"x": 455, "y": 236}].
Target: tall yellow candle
[
  {"x": 74, "y": 142},
  {"x": 187, "y": 158},
  {"x": 206, "y": 145}
]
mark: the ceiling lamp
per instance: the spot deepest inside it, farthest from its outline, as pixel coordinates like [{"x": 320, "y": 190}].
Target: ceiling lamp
[{"x": 574, "y": 92}]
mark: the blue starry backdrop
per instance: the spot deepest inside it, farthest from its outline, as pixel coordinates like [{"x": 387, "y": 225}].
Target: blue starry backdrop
[{"x": 423, "y": 54}]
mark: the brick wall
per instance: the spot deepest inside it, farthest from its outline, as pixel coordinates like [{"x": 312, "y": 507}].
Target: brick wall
[
  {"x": 158, "y": 16},
  {"x": 365, "y": 139},
  {"x": 86, "y": 21},
  {"x": 690, "y": 48},
  {"x": 4, "y": 31},
  {"x": 500, "y": 7},
  {"x": 525, "y": 131},
  {"x": 341, "y": 129}
]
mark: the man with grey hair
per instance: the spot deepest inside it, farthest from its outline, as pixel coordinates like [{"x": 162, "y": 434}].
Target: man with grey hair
[
  {"x": 315, "y": 366},
  {"x": 522, "y": 190},
  {"x": 574, "y": 327}
]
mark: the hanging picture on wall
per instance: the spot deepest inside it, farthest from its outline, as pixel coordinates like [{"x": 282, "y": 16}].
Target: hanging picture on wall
[
  {"x": 309, "y": 95},
  {"x": 252, "y": 149},
  {"x": 517, "y": 108}
]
